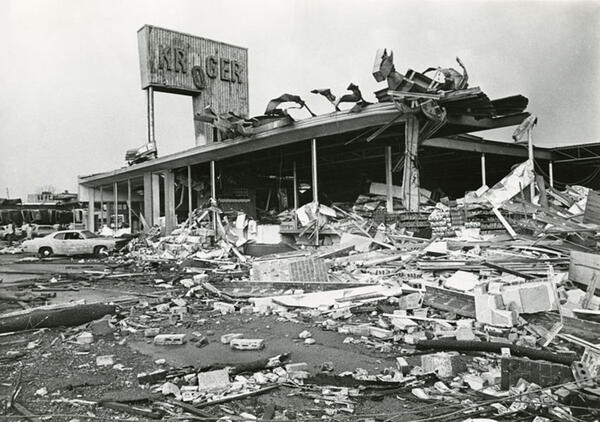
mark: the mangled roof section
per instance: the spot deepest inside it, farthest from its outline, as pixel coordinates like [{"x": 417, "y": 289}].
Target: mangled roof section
[{"x": 431, "y": 95}]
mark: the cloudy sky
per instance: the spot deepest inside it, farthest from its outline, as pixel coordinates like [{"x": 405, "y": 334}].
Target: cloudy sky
[{"x": 71, "y": 101}]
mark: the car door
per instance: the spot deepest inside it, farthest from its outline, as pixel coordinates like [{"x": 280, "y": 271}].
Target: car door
[
  {"x": 58, "y": 244},
  {"x": 76, "y": 244}
]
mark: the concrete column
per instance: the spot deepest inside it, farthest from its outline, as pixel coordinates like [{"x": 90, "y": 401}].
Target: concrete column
[
  {"x": 213, "y": 193},
  {"x": 101, "y": 207},
  {"x": 170, "y": 216},
  {"x": 483, "y": 175},
  {"x": 389, "y": 203},
  {"x": 91, "y": 209},
  {"x": 116, "y": 204},
  {"x": 551, "y": 173},
  {"x": 155, "y": 198},
  {"x": 129, "y": 205},
  {"x": 315, "y": 181},
  {"x": 295, "y": 186},
  {"x": 189, "y": 192},
  {"x": 149, "y": 201},
  {"x": 410, "y": 177}
]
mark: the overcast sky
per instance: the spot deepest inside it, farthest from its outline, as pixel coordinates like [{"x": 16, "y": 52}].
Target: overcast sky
[{"x": 71, "y": 101}]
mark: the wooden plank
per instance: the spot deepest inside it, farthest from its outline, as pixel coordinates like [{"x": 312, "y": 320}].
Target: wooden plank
[
  {"x": 584, "y": 267},
  {"x": 592, "y": 208}
]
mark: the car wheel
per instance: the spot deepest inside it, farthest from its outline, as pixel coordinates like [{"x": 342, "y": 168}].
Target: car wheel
[
  {"x": 101, "y": 251},
  {"x": 45, "y": 252}
]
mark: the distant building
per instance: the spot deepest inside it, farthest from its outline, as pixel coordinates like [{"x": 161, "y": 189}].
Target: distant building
[
  {"x": 42, "y": 208},
  {"x": 51, "y": 198}
]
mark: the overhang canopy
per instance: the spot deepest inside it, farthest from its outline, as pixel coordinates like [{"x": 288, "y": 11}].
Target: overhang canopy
[{"x": 338, "y": 123}]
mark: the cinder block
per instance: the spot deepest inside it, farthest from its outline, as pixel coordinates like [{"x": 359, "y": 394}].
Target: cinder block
[
  {"x": 213, "y": 380},
  {"x": 247, "y": 344},
  {"x": 535, "y": 298},
  {"x": 169, "y": 339},
  {"x": 502, "y": 318},
  {"x": 445, "y": 365},
  {"x": 223, "y": 307},
  {"x": 300, "y": 366}
]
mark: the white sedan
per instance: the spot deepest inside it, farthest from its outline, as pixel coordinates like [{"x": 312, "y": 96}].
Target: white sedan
[{"x": 69, "y": 242}]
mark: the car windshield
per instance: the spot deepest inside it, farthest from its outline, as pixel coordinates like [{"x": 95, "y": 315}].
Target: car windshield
[{"x": 88, "y": 234}]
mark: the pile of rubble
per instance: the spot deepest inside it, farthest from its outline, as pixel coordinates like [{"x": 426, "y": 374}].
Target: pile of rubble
[{"x": 493, "y": 314}]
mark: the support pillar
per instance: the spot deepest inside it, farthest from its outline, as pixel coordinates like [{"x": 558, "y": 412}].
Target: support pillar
[
  {"x": 483, "y": 174},
  {"x": 551, "y": 173},
  {"x": 91, "y": 217},
  {"x": 156, "y": 199},
  {"x": 170, "y": 216},
  {"x": 213, "y": 193},
  {"x": 151, "y": 199},
  {"x": 189, "y": 192},
  {"x": 116, "y": 204},
  {"x": 315, "y": 182},
  {"x": 129, "y": 222},
  {"x": 101, "y": 207},
  {"x": 410, "y": 177},
  {"x": 150, "y": 111},
  {"x": 389, "y": 203},
  {"x": 295, "y": 186}
]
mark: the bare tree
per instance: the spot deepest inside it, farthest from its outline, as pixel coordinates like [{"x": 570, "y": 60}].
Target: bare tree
[{"x": 46, "y": 188}]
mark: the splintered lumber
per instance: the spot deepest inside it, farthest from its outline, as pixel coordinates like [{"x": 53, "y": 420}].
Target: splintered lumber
[
  {"x": 508, "y": 270},
  {"x": 239, "y": 396},
  {"x": 67, "y": 315},
  {"x": 133, "y": 410},
  {"x": 587, "y": 330}
]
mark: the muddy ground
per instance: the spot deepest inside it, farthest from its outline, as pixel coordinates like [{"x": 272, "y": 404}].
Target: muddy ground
[{"x": 60, "y": 370}]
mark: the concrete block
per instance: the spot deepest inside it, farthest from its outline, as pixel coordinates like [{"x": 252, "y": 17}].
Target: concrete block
[
  {"x": 445, "y": 365},
  {"x": 223, "y": 307},
  {"x": 484, "y": 303},
  {"x": 151, "y": 332},
  {"x": 502, "y": 318},
  {"x": 512, "y": 298},
  {"x": 536, "y": 298},
  {"x": 300, "y": 366},
  {"x": 169, "y": 339},
  {"x": 213, "y": 380},
  {"x": 247, "y": 344},
  {"x": 85, "y": 338},
  {"x": 463, "y": 281},
  {"x": 106, "y": 360},
  {"x": 226, "y": 338}
]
